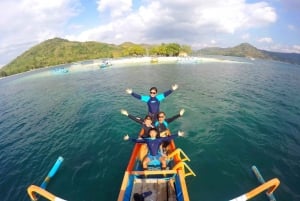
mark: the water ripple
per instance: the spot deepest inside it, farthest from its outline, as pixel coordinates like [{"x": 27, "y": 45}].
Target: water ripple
[{"x": 237, "y": 115}]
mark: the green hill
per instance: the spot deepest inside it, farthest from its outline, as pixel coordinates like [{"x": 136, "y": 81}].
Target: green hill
[
  {"x": 249, "y": 51},
  {"x": 60, "y": 51},
  {"x": 242, "y": 50}
]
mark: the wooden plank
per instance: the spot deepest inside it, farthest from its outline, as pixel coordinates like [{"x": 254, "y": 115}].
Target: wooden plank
[
  {"x": 137, "y": 187},
  {"x": 171, "y": 191},
  {"x": 152, "y": 172},
  {"x": 150, "y": 185},
  {"x": 123, "y": 186},
  {"x": 162, "y": 193}
]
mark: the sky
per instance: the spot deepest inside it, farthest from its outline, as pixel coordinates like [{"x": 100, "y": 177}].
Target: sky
[{"x": 272, "y": 25}]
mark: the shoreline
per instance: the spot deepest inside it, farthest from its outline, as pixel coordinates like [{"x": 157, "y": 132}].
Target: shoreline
[
  {"x": 95, "y": 64},
  {"x": 150, "y": 60}
]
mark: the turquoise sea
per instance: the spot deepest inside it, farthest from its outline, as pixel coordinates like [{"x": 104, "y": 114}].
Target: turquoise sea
[{"x": 237, "y": 114}]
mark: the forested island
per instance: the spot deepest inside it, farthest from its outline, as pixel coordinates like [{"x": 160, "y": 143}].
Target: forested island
[{"x": 60, "y": 51}]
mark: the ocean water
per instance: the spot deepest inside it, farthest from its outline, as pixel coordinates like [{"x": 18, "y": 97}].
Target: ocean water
[{"x": 237, "y": 114}]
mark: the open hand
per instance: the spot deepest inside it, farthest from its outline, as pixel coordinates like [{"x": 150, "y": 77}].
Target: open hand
[
  {"x": 174, "y": 87},
  {"x": 126, "y": 137},
  {"x": 124, "y": 112},
  {"x": 181, "y": 112},
  {"x": 180, "y": 133},
  {"x": 129, "y": 91}
]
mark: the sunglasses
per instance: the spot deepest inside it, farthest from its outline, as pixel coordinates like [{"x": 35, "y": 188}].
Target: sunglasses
[{"x": 151, "y": 92}]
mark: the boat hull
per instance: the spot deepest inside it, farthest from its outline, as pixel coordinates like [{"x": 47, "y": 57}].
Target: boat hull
[{"x": 162, "y": 184}]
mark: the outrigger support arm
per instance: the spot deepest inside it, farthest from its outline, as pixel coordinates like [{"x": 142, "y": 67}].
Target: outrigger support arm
[
  {"x": 32, "y": 190},
  {"x": 270, "y": 185},
  {"x": 182, "y": 165},
  {"x": 178, "y": 153}
]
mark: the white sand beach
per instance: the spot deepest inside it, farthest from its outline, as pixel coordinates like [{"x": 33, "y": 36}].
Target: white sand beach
[{"x": 133, "y": 61}]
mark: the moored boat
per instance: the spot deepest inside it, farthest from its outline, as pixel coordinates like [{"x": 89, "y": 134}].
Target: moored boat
[
  {"x": 61, "y": 70},
  {"x": 105, "y": 64}
]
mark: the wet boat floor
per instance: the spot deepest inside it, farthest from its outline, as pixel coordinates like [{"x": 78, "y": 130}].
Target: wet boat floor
[{"x": 162, "y": 189}]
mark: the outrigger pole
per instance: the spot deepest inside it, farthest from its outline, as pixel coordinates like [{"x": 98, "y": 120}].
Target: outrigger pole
[
  {"x": 262, "y": 181},
  {"x": 269, "y": 186},
  {"x": 40, "y": 190},
  {"x": 52, "y": 172}
]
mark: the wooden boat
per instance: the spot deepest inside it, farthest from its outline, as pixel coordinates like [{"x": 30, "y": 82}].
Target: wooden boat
[
  {"x": 155, "y": 184},
  {"x": 154, "y": 60},
  {"x": 167, "y": 185},
  {"x": 61, "y": 70},
  {"x": 164, "y": 185},
  {"x": 105, "y": 64}
]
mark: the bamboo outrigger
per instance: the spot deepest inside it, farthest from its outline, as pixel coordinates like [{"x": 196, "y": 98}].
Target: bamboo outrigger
[{"x": 166, "y": 185}]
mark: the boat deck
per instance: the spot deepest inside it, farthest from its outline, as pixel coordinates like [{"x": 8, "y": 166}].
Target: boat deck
[{"x": 162, "y": 189}]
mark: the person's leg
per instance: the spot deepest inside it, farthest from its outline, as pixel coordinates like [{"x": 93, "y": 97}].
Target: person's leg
[
  {"x": 143, "y": 151},
  {"x": 163, "y": 161},
  {"x": 145, "y": 163}
]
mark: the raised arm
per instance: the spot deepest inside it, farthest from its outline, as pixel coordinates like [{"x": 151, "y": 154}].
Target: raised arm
[
  {"x": 169, "y": 120},
  {"x": 134, "y": 118},
  {"x": 172, "y": 136},
  {"x": 137, "y": 96},
  {"x": 162, "y": 96},
  {"x": 126, "y": 137}
]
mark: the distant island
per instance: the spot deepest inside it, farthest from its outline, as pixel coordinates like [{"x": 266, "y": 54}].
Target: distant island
[
  {"x": 249, "y": 51},
  {"x": 58, "y": 51}
]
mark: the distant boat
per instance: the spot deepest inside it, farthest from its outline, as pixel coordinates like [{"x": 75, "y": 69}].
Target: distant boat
[
  {"x": 154, "y": 60},
  {"x": 105, "y": 64},
  {"x": 60, "y": 70},
  {"x": 187, "y": 60}
]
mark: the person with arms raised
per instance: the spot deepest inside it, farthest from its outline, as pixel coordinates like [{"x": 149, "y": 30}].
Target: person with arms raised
[
  {"x": 146, "y": 123},
  {"x": 153, "y": 100},
  {"x": 153, "y": 144},
  {"x": 162, "y": 125}
]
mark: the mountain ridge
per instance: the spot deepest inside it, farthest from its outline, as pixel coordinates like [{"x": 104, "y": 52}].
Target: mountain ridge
[{"x": 249, "y": 51}]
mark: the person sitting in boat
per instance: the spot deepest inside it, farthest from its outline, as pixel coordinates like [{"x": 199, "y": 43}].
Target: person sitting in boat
[
  {"x": 153, "y": 144},
  {"x": 146, "y": 123},
  {"x": 153, "y": 100},
  {"x": 162, "y": 125},
  {"x": 144, "y": 132}
]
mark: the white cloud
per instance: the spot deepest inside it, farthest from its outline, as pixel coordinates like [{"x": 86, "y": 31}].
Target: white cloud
[
  {"x": 198, "y": 23},
  {"x": 265, "y": 40},
  {"x": 296, "y": 48},
  {"x": 246, "y": 36},
  {"x": 32, "y": 20},
  {"x": 178, "y": 20},
  {"x": 116, "y": 8},
  {"x": 213, "y": 42}
]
